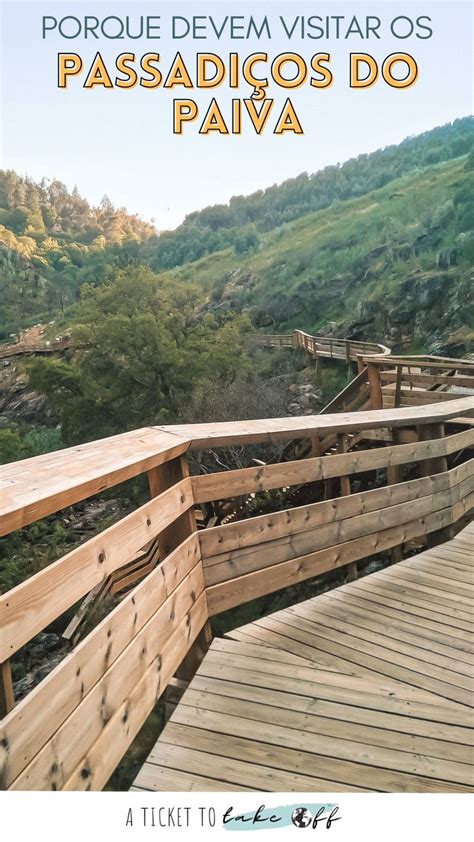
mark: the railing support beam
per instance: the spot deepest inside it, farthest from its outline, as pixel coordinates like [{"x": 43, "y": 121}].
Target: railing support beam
[
  {"x": 7, "y": 696},
  {"x": 159, "y": 480},
  {"x": 345, "y": 485},
  {"x": 437, "y": 465},
  {"x": 393, "y": 478},
  {"x": 375, "y": 386}
]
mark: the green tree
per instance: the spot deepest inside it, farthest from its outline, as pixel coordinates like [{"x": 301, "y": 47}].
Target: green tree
[
  {"x": 140, "y": 347},
  {"x": 247, "y": 240},
  {"x": 17, "y": 220},
  {"x": 11, "y": 447}
]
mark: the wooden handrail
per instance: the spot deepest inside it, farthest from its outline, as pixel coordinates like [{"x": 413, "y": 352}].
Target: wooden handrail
[
  {"x": 32, "y": 605},
  {"x": 37, "y": 717},
  {"x": 281, "y": 429},
  {"x": 349, "y": 348},
  {"x": 33, "y": 488},
  {"x": 428, "y": 359},
  {"x": 225, "y": 484},
  {"x": 330, "y": 537},
  {"x": 354, "y": 389},
  {"x": 332, "y": 346}
]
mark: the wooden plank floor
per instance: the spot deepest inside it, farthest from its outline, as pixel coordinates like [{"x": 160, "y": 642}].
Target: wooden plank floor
[{"x": 365, "y": 688}]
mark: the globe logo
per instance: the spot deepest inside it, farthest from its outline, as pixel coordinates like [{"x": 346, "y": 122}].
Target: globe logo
[{"x": 301, "y": 817}]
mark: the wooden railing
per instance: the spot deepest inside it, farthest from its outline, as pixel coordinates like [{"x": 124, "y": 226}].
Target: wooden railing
[
  {"x": 417, "y": 380},
  {"x": 72, "y": 729},
  {"x": 356, "y": 395},
  {"x": 16, "y": 349},
  {"x": 329, "y": 347}
]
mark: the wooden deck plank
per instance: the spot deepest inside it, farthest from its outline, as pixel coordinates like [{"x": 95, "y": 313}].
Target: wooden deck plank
[
  {"x": 367, "y": 687},
  {"x": 460, "y": 548},
  {"x": 285, "y": 679},
  {"x": 416, "y": 614},
  {"x": 311, "y": 721},
  {"x": 456, "y": 550},
  {"x": 398, "y": 722},
  {"x": 449, "y": 571},
  {"x": 417, "y": 593},
  {"x": 396, "y": 637},
  {"x": 234, "y": 771},
  {"x": 369, "y": 657},
  {"x": 362, "y": 766},
  {"x": 378, "y": 694},
  {"x": 423, "y": 627},
  {"x": 408, "y": 598},
  {"x": 166, "y": 779},
  {"x": 429, "y": 584}
]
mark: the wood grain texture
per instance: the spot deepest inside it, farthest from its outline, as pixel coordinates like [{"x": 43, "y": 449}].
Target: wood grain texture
[
  {"x": 40, "y": 714},
  {"x": 34, "y": 488},
  {"x": 226, "y": 484},
  {"x": 277, "y": 429},
  {"x": 28, "y": 608},
  {"x": 333, "y": 694},
  {"x": 313, "y": 696},
  {"x": 260, "y": 529},
  {"x": 162, "y": 642}
]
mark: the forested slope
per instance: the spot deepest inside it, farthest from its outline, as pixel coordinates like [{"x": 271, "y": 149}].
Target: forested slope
[
  {"x": 379, "y": 249},
  {"x": 394, "y": 266},
  {"x": 52, "y": 241}
]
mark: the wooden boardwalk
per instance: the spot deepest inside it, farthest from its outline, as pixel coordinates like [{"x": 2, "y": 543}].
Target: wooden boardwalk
[{"x": 365, "y": 688}]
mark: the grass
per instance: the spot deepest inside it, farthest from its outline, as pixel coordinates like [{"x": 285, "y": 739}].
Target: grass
[{"x": 317, "y": 269}]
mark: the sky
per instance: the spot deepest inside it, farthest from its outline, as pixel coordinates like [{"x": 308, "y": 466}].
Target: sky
[{"x": 120, "y": 142}]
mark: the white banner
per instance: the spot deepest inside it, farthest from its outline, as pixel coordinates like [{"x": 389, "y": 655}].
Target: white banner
[{"x": 133, "y": 817}]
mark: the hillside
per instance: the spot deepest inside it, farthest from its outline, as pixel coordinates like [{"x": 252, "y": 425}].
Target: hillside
[
  {"x": 240, "y": 223},
  {"x": 394, "y": 265},
  {"x": 390, "y": 262},
  {"x": 51, "y": 242}
]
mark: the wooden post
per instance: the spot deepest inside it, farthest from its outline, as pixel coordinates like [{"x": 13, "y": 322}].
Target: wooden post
[
  {"x": 343, "y": 447},
  {"x": 315, "y": 445},
  {"x": 393, "y": 478},
  {"x": 345, "y": 486},
  {"x": 159, "y": 479},
  {"x": 375, "y": 386},
  {"x": 398, "y": 387},
  {"x": 194, "y": 657},
  {"x": 174, "y": 693},
  {"x": 360, "y": 364},
  {"x": 7, "y": 696},
  {"x": 437, "y": 465}
]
